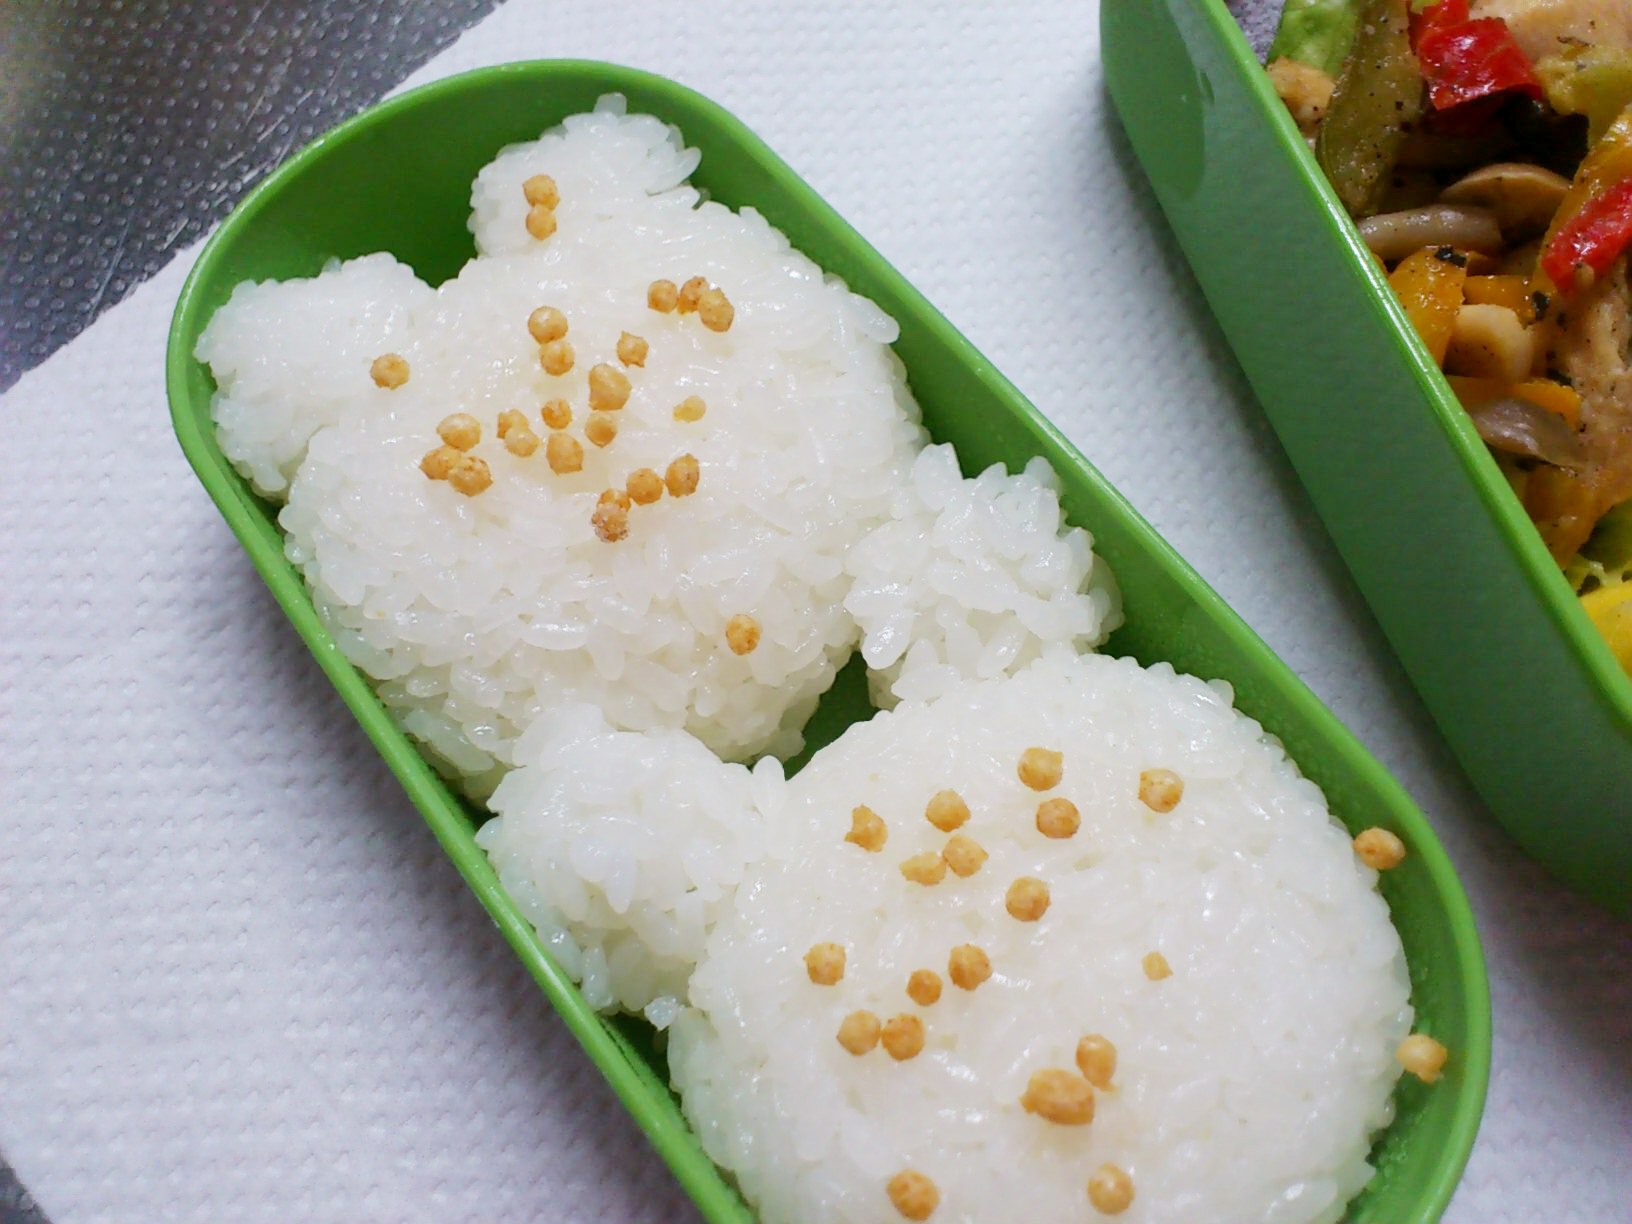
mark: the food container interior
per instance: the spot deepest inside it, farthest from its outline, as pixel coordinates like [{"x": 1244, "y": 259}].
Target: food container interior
[
  {"x": 1523, "y": 688},
  {"x": 346, "y": 196}
]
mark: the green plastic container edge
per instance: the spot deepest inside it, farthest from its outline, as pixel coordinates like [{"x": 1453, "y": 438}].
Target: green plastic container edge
[
  {"x": 633, "y": 1082},
  {"x": 1559, "y": 785}
]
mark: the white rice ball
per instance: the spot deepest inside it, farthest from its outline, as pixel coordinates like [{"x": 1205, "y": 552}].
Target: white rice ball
[
  {"x": 472, "y": 613},
  {"x": 1248, "y": 1083},
  {"x": 624, "y": 849},
  {"x": 973, "y": 579}
]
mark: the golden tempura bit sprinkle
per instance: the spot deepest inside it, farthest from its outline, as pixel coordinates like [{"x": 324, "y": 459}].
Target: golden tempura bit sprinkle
[
  {"x": 644, "y": 486},
  {"x": 601, "y": 428},
  {"x": 946, "y": 810},
  {"x": 924, "y": 987},
  {"x": 1027, "y": 899},
  {"x": 690, "y": 409},
  {"x": 968, "y": 966},
  {"x": 1041, "y": 768},
  {"x": 1058, "y": 818},
  {"x": 715, "y": 311},
  {"x": 913, "y": 1195},
  {"x": 903, "y": 1037},
  {"x": 1160, "y": 789},
  {"x": 662, "y": 296},
  {"x": 867, "y": 829},
  {"x": 858, "y": 1032},
  {"x": 389, "y": 370},
  {"x": 825, "y": 963},
  {"x": 438, "y": 463},
  {"x": 613, "y": 497},
  {"x": 926, "y": 869},
  {"x": 1379, "y": 849},
  {"x": 521, "y": 440},
  {"x": 459, "y": 430},
  {"x": 557, "y": 357},
  {"x": 540, "y": 189},
  {"x": 1059, "y": 1096},
  {"x": 540, "y": 221},
  {"x": 611, "y": 522},
  {"x": 470, "y": 475},
  {"x": 742, "y": 634},
  {"x": 608, "y": 388},
  {"x": 1096, "y": 1059},
  {"x": 556, "y": 413},
  {"x": 682, "y": 476},
  {"x": 1422, "y": 1056},
  {"x": 564, "y": 454},
  {"x": 1156, "y": 967},
  {"x": 964, "y": 855},
  {"x": 546, "y": 324},
  {"x": 690, "y": 294},
  {"x": 632, "y": 349},
  {"x": 1110, "y": 1190},
  {"x": 509, "y": 419}
]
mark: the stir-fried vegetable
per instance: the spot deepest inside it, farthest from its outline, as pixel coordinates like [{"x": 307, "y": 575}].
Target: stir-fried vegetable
[
  {"x": 1318, "y": 33},
  {"x": 1377, "y": 99},
  {"x": 1603, "y": 575},
  {"x": 1465, "y": 60},
  {"x": 1544, "y": 393},
  {"x": 1591, "y": 81},
  {"x": 1510, "y": 291},
  {"x": 1519, "y": 427},
  {"x": 1592, "y": 239},
  {"x": 1429, "y": 286},
  {"x": 1607, "y": 164}
]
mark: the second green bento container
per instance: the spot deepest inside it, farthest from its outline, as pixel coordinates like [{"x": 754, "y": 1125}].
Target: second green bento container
[
  {"x": 1521, "y": 685},
  {"x": 397, "y": 178}
]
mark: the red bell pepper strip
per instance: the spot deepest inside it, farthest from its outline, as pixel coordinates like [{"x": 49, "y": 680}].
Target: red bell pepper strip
[
  {"x": 1594, "y": 238},
  {"x": 1463, "y": 60},
  {"x": 1441, "y": 16}
]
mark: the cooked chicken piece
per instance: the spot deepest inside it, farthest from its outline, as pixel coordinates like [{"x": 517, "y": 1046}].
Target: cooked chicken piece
[
  {"x": 1546, "y": 27},
  {"x": 1306, "y": 91}
]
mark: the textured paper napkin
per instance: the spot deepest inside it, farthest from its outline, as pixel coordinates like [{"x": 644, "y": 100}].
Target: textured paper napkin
[{"x": 237, "y": 979}]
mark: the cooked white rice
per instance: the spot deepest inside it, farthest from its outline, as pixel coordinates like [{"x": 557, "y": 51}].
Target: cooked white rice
[
  {"x": 1249, "y": 1082},
  {"x": 973, "y": 579},
  {"x": 624, "y": 849}
]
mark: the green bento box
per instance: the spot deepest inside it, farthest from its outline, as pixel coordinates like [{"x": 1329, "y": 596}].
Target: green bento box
[
  {"x": 397, "y": 178},
  {"x": 1523, "y": 688}
]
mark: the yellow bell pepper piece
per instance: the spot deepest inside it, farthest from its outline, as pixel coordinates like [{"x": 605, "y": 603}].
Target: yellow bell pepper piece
[
  {"x": 1430, "y": 289},
  {"x": 1611, "y": 611},
  {"x": 1510, "y": 291}
]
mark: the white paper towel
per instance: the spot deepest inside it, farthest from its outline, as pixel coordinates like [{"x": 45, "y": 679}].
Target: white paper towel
[{"x": 239, "y": 982}]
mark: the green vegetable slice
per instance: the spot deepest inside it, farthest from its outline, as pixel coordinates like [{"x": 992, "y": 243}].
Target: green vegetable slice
[
  {"x": 1378, "y": 98},
  {"x": 1316, "y": 32}
]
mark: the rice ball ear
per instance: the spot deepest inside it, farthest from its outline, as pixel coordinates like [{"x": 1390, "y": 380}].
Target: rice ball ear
[
  {"x": 290, "y": 357},
  {"x": 1051, "y": 1056},
  {"x": 970, "y": 579},
  {"x": 625, "y": 850}
]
